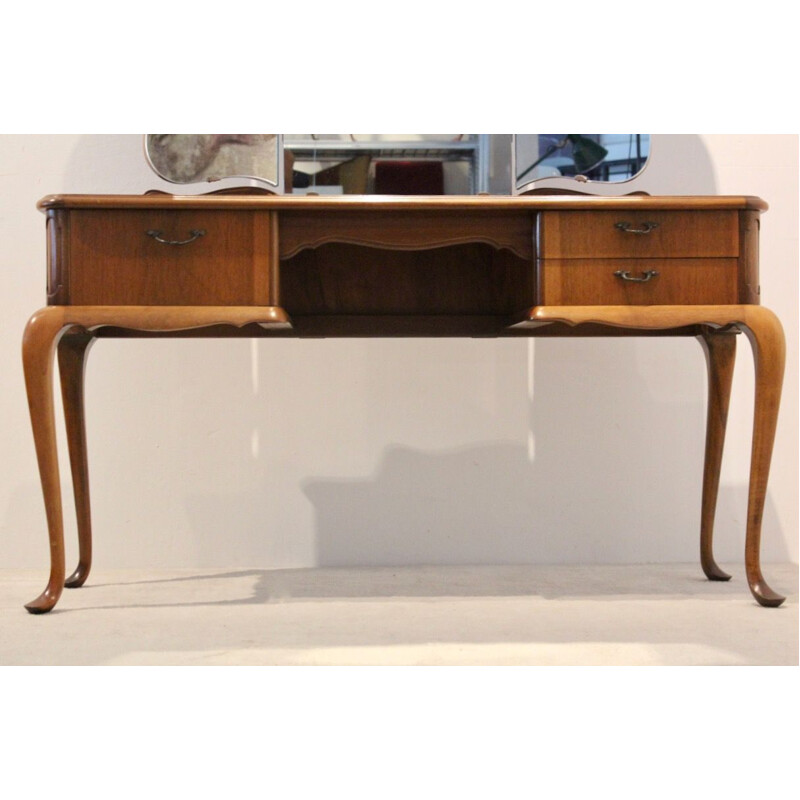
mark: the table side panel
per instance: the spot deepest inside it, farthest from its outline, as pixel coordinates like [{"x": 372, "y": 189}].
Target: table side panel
[
  {"x": 749, "y": 231},
  {"x": 58, "y": 271}
]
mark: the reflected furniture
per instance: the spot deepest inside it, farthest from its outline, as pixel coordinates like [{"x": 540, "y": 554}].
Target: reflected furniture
[
  {"x": 471, "y": 149},
  {"x": 479, "y": 266}
]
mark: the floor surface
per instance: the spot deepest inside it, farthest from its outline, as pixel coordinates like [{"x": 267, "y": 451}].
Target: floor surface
[{"x": 465, "y": 615}]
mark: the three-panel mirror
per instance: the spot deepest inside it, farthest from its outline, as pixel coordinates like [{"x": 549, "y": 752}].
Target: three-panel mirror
[{"x": 416, "y": 164}]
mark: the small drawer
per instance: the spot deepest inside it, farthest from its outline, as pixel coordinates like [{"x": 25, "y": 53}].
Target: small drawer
[
  {"x": 673, "y": 281},
  {"x": 638, "y": 234},
  {"x": 173, "y": 257}
]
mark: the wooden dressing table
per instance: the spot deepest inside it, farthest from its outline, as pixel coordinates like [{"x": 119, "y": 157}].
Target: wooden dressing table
[{"x": 277, "y": 266}]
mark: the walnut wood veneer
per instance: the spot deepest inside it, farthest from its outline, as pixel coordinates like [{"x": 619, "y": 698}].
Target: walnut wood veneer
[{"x": 239, "y": 265}]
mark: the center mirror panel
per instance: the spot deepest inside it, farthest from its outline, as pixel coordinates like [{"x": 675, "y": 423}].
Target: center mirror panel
[{"x": 390, "y": 164}]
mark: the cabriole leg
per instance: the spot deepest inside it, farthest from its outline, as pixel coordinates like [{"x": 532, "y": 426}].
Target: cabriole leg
[
  {"x": 769, "y": 354},
  {"x": 720, "y": 351},
  {"x": 38, "y": 349},
  {"x": 72, "y": 351}
]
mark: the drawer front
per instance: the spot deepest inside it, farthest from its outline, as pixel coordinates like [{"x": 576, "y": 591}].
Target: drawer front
[
  {"x": 125, "y": 257},
  {"x": 639, "y": 234},
  {"x": 690, "y": 281}
]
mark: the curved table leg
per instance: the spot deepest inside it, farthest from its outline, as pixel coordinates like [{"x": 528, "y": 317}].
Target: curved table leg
[
  {"x": 720, "y": 350},
  {"x": 38, "y": 348},
  {"x": 765, "y": 333},
  {"x": 43, "y": 334},
  {"x": 769, "y": 354},
  {"x": 72, "y": 351}
]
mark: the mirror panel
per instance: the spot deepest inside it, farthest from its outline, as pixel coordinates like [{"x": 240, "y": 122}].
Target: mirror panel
[
  {"x": 547, "y": 160},
  {"x": 196, "y": 158},
  {"x": 389, "y": 163}
]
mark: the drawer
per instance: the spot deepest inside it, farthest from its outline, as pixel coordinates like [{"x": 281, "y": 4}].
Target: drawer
[
  {"x": 678, "y": 281},
  {"x": 638, "y": 234},
  {"x": 172, "y": 257}
]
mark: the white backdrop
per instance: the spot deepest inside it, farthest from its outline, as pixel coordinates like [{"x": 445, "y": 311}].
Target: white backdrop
[{"x": 322, "y": 452}]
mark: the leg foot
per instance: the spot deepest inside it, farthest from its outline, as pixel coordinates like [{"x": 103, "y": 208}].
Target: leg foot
[
  {"x": 45, "y": 601},
  {"x": 78, "y": 577},
  {"x": 712, "y": 572},
  {"x": 761, "y": 591}
]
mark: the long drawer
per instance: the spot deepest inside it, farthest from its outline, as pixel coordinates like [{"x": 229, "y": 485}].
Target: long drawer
[{"x": 162, "y": 257}]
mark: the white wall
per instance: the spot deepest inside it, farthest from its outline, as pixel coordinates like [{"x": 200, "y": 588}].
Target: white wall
[{"x": 294, "y": 453}]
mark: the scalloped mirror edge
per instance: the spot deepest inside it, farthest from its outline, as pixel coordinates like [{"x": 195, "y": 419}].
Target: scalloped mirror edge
[
  {"x": 586, "y": 155},
  {"x": 214, "y": 162}
]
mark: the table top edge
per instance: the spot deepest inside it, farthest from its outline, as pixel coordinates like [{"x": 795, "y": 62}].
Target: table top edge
[{"x": 378, "y": 203}]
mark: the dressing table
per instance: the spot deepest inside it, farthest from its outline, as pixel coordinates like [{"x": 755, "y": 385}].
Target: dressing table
[{"x": 369, "y": 266}]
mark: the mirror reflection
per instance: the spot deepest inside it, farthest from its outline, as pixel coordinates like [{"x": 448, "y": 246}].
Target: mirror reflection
[
  {"x": 603, "y": 157},
  {"x": 209, "y": 157},
  {"x": 373, "y": 163}
]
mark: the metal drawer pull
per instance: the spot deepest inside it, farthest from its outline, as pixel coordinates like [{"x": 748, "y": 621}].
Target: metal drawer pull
[
  {"x": 646, "y": 276},
  {"x": 626, "y": 227},
  {"x": 193, "y": 235}
]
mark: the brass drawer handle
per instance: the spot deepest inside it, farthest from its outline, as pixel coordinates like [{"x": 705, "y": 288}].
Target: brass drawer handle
[
  {"x": 627, "y": 227},
  {"x": 646, "y": 276},
  {"x": 193, "y": 235}
]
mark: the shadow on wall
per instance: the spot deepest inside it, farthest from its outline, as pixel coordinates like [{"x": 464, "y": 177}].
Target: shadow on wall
[
  {"x": 679, "y": 165},
  {"x": 111, "y": 164},
  {"x": 611, "y": 474}
]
